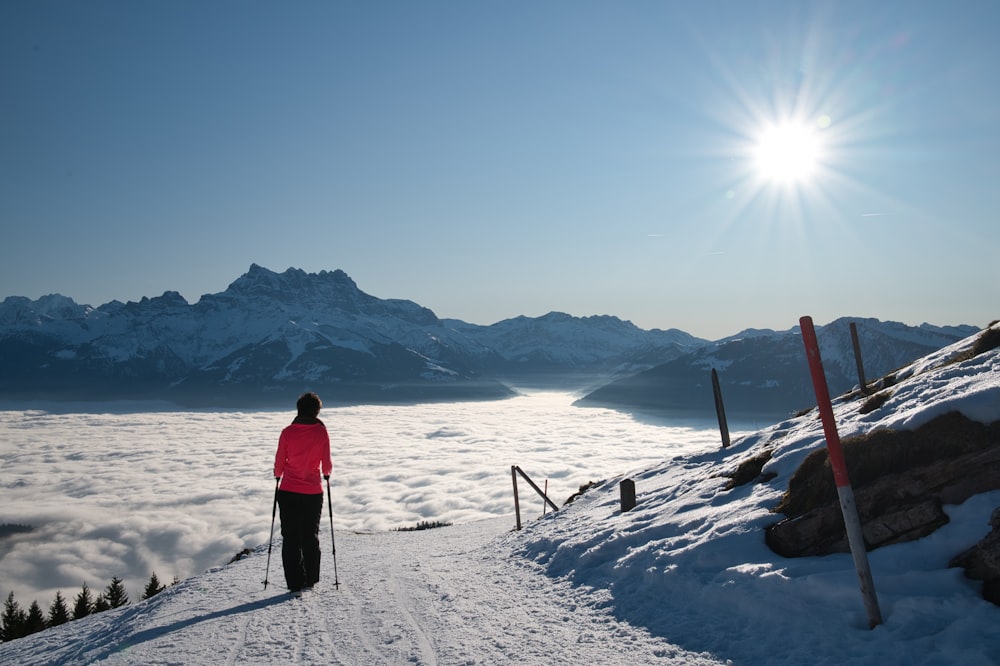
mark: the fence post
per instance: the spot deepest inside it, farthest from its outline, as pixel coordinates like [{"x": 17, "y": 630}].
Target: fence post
[
  {"x": 720, "y": 409},
  {"x": 855, "y": 537},
  {"x": 857, "y": 359},
  {"x": 517, "y": 503},
  {"x": 535, "y": 487},
  {"x": 627, "y": 489}
]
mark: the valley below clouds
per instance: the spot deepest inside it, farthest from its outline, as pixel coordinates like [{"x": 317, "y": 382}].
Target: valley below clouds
[{"x": 131, "y": 489}]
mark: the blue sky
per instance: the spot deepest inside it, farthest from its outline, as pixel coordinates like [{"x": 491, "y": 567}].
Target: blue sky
[{"x": 491, "y": 159}]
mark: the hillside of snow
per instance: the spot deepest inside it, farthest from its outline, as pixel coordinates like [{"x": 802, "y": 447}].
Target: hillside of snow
[{"x": 683, "y": 578}]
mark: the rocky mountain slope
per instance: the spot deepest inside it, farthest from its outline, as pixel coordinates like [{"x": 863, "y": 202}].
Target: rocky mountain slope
[
  {"x": 269, "y": 336},
  {"x": 764, "y": 373}
]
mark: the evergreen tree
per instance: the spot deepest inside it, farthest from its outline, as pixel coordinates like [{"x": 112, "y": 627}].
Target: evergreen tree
[
  {"x": 58, "y": 612},
  {"x": 35, "y": 620},
  {"x": 13, "y": 619},
  {"x": 83, "y": 605},
  {"x": 101, "y": 604},
  {"x": 115, "y": 593},
  {"x": 153, "y": 587}
]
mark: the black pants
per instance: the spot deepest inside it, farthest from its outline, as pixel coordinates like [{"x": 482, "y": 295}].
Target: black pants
[{"x": 300, "y": 516}]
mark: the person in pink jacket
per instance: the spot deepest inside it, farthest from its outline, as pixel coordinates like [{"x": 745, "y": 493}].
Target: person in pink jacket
[{"x": 303, "y": 455}]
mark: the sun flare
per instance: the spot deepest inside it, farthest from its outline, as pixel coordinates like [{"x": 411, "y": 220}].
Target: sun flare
[{"x": 788, "y": 153}]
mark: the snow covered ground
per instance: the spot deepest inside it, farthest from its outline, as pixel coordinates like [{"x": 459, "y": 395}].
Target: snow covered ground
[
  {"x": 449, "y": 596},
  {"x": 684, "y": 577}
]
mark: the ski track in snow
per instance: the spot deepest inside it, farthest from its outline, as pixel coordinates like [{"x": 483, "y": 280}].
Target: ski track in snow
[{"x": 451, "y": 595}]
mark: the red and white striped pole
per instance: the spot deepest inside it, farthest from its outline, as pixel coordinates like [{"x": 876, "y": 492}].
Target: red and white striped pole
[{"x": 852, "y": 522}]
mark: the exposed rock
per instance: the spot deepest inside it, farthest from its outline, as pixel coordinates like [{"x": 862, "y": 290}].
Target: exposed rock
[
  {"x": 240, "y": 555},
  {"x": 900, "y": 480},
  {"x": 583, "y": 488},
  {"x": 749, "y": 470},
  {"x": 982, "y": 561}
]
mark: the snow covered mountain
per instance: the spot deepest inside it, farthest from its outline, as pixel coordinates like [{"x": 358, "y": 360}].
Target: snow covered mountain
[
  {"x": 559, "y": 350},
  {"x": 266, "y": 336},
  {"x": 763, "y": 372},
  {"x": 269, "y": 335}
]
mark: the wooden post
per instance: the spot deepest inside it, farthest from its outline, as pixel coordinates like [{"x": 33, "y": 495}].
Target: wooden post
[
  {"x": 627, "y": 488},
  {"x": 720, "y": 409},
  {"x": 855, "y": 537},
  {"x": 517, "y": 503},
  {"x": 857, "y": 359},
  {"x": 535, "y": 487}
]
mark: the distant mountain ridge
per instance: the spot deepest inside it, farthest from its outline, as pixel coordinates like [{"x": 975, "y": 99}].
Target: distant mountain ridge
[
  {"x": 269, "y": 336},
  {"x": 764, "y": 373}
]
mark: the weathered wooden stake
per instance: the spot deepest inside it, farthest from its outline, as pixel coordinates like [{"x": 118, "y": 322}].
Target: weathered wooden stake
[
  {"x": 855, "y": 537},
  {"x": 627, "y": 488},
  {"x": 514, "y": 471},
  {"x": 857, "y": 359},
  {"x": 720, "y": 409},
  {"x": 535, "y": 487},
  {"x": 517, "y": 503}
]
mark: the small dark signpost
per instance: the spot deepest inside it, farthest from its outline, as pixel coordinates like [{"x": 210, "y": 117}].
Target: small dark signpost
[
  {"x": 857, "y": 359},
  {"x": 720, "y": 409},
  {"x": 627, "y": 488}
]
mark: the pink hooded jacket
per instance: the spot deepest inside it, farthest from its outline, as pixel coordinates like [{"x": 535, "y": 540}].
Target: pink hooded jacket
[{"x": 303, "y": 452}]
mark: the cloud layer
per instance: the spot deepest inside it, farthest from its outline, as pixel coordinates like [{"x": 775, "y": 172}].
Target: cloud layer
[{"x": 117, "y": 492}]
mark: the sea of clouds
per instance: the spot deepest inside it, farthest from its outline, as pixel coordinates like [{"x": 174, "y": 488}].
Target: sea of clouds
[{"x": 131, "y": 489}]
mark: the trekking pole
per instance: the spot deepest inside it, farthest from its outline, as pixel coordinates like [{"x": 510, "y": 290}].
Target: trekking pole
[
  {"x": 333, "y": 542},
  {"x": 274, "y": 510}
]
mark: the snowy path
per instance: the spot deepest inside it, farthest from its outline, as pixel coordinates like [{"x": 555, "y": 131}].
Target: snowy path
[{"x": 450, "y": 595}]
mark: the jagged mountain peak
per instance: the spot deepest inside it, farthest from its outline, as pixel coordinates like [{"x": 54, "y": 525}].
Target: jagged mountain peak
[
  {"x": 296, "y": 283},
  {"x": 20, "y": 310},
  {"x": 272, "y": 332},
  {"x": 168, "y": 299},
  {"x": 326, "y": 291}
]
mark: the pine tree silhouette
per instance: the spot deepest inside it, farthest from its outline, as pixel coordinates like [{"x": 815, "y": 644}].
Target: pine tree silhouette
[
  {"x": 83, "y": 605},
  {"x": 13, "y": 619},
  {"x": 58, "y": 612},
  {"x": 153, "y": 587},
  {"x": 115, "y": 593},
  {"x": 101, "y": 604},
  {"x": 35, "y": 620}
]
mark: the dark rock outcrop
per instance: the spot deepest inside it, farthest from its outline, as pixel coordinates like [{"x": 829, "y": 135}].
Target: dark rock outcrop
[
  {"x": 982, "y": 561},
  {"x": 900, "y": 480}
]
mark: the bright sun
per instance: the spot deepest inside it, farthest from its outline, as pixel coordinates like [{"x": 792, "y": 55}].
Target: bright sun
[{"x": 788, "y": 153}]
